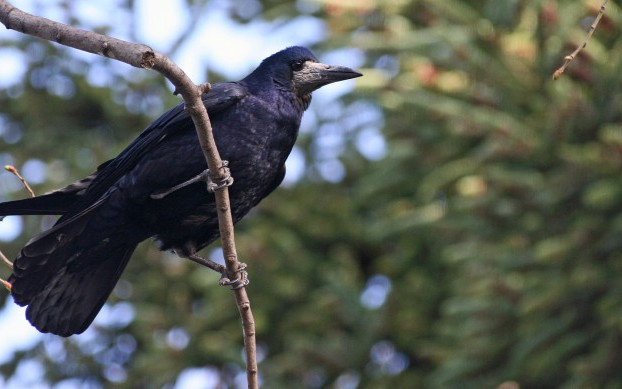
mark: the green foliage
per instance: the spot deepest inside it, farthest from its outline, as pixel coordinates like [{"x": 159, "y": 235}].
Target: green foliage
[{"x": 491, "y": 224}]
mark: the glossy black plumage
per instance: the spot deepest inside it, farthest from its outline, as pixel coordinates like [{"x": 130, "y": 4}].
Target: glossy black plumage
[{"x": 65, "y": 274}]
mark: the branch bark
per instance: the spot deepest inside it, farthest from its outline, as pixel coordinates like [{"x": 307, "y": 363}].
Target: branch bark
[{"x": 143, "y": 56}]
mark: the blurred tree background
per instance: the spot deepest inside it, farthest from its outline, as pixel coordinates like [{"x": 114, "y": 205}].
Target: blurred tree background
[{"x": 456, "y": 221}]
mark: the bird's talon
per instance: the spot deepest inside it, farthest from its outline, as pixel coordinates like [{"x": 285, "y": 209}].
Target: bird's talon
[
  {"x": 226, "y": 180},
  {"x": 240, "y": 281}
]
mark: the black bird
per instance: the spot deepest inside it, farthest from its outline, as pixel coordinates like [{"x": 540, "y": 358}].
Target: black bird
[{"x": 66, "y": 273}]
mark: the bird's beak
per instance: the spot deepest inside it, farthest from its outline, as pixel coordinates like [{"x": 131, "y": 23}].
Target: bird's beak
[{"x": 315, "y": 75}]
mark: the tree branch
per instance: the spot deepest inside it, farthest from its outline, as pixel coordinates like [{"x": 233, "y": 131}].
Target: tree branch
[{"x": 143, "y": 56}]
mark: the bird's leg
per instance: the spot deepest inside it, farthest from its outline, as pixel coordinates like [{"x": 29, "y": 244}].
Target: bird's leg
[
  {"x": 238, "y": 282},
  {"x": 208, "y": 263},
  {"x": 203, "y": 176}
]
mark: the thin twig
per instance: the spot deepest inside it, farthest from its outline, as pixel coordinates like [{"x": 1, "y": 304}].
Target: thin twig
[
  {"x": 6, "y": 260},
  {"x": 569, "y": 58},
  {"x": 13, "y": 169},
  {"x": 144, "y": 57}
]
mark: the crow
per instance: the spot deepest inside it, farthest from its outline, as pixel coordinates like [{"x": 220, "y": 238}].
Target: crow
[{"x": 152, "y": 189}]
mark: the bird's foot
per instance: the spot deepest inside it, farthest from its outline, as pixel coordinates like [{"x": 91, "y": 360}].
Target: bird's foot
[
  {"x": 240, "y": 280},
  {"x": 217, "y": 183}
]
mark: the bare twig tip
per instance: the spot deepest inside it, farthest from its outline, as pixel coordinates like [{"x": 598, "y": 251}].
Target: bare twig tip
[
  {"x": 13, "y": 169},
  {"x": 6, "y": 284}
]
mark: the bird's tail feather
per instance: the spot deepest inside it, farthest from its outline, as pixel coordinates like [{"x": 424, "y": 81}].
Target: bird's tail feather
[
  {"x": 55, "y": 203},
  {"x": 65, "y": 278}
]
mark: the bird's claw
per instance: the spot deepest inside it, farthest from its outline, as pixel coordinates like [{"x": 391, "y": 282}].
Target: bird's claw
[
  {"x": 224, "y": 181},
  {"x": 240, "y": 281}
]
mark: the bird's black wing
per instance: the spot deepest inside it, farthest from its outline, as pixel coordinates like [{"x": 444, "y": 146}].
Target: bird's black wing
[
  {"x": 71, "y": 199},
  {"x": 221, "y": 97}
]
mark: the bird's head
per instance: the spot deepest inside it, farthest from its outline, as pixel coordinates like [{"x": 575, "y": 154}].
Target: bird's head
[{"x": 297, "y": 70}]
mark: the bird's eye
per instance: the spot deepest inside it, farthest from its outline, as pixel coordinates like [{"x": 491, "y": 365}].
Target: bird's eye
[{"x": 296, "y": 66}]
